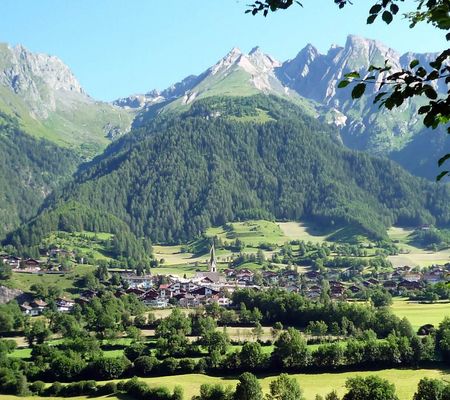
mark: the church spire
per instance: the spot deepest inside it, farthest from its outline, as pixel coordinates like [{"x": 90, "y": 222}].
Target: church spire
[{"x": 212, "y": 260}]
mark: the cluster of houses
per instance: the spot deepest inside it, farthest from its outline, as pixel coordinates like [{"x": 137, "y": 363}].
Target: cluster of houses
[
  {"x": 37, "y": 307},
  {"x": 212, "y": 286},
  {"x": 216, "y": 287},
  {"x": 204, "y": 288},
  {"x": 32, "y": 265}
]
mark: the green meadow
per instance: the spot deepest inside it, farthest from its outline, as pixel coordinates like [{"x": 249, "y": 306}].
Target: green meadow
[
  {"x": 405, "y": 381},
  {"x": 420, "y": 314}
]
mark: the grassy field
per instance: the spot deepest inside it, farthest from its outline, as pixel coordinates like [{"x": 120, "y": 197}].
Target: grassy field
[
  {"x": 411, "y": 254},
  {"x": 24, "y": 281},
  {"x": 251, "y": 233},
  {"x": 421, "y": 314},
  {"x": 83, "y": 242},
  {"x": 312, "y": 384},
  {"x": 301, "y": 231}
]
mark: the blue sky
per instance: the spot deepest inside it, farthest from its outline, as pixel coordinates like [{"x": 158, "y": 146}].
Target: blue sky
[{"x": 120, "y": 47}]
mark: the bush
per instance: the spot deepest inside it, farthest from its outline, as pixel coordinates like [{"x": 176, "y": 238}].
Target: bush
[
  {"x": 37, "y": 387},
  {"x": 107, "y": 389},
  {"x": 134, "y": 350},
  {"x": 79, "y": 389},
  {"x": 136, "y": 389},
  {"x": 110, "y": 368},
  {"x": 145, "y": 365},
  {"x": 54, "y": 390},
  {"x": 168, "y": 366},
  {"x": 187, "y": 365}
]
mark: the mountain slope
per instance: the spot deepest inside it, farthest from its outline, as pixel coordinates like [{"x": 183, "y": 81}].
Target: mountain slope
[
  {"x": 236, "y": 74},
  {"x": 310, "y": 80},
  {"x": 363, "y": 125},
  {"x": 29, "y": 170},
  {"x": 221, "y": 161},
  {"x": 49, "y": 102}
]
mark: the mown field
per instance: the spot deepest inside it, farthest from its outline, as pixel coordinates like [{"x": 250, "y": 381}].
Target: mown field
[
  {"x": 405, "y": 381},
  {"x": 420, "y": 314},
  {"x": 312, "y": 384},
  {"x": 413, "y": 255},
  {"x": 253, "y": 233}
]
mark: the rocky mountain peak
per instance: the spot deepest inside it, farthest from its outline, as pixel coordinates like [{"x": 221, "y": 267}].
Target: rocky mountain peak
[
  {"x": 360, "y": 52},
  {"x": 230, "y": 59},
  {"x": 255, "y": 50},
  {"x": 50, "y": 70},
  {"x": 39, "y": 79}
]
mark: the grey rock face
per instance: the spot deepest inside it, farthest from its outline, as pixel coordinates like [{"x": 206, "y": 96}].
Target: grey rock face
[
  {"x": 39, "y": 79},
  {"x": 7, "y": 294}
]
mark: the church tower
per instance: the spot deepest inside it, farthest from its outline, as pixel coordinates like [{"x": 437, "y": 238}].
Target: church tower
[{"x": 212, "y": 260}]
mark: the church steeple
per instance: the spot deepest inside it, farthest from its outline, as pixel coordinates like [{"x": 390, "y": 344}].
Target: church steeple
[{"x": 212, "y": 260}]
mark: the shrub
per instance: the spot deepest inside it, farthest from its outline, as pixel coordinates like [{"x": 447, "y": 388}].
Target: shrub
[
  {"x": 134, "y": 351},
  {"x": 145, "y": 365},
  {"x": 110, "y": 368},
  {"x": 54, "y": 389},
  {"x": 187, "y": 365},
  {"x": 168, "y": 366},
  {"x": 79, "y": 388},
  {"x": 107, "y": 389},
  {"x": 37, "y": 387}
]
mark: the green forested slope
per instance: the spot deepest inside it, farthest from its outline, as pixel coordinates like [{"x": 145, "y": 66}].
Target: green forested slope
[
  {"x": 221, "y": 161},
  {"x": 30, "y": 169}
]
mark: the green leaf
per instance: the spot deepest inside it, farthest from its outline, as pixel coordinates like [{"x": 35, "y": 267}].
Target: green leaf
[
  {"x": 428, "y": 120},
  {"x": 394, "y": 9},
  {"x": 421, "y": 72},
  {"x": 353, "y": 74},
  {"x": 442, "y": 160},
  {"x": 430, "y": 92},
  {"x": 379, "y": 96},
  {"x": 358, "y": 90},
  {"x": 375, "y": 9},
  {"x": 441, "y": 175},
  {"x": 343, "y": 84},
  {"x": 371, "y": 18},
  {"x": 424, "y": 109},
  {"x": 413, "y": 64},
  {"x": 387, "y": 17}
]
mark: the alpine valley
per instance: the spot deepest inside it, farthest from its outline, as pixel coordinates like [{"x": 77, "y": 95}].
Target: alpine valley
[
  {"x": 249, "y": 233},
  {"x": 248, "y": 138}
]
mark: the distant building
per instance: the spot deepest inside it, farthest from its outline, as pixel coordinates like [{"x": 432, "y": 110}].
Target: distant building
[
  {"x": 137, "y": 281},
  {"x": 212, "y": 274}
]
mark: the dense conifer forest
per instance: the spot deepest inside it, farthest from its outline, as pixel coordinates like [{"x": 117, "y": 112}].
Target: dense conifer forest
[
  {"x": 29, "y": 170},
  {"x": 226, "y": 159}
]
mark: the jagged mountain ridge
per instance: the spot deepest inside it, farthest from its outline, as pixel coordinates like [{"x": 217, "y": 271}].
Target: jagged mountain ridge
[
  {"x": 311, "y": 79},
  {"x": 49, "y": 102},
  {"x": 236, "y": 74},
  {"x": 316, "y": 76}
]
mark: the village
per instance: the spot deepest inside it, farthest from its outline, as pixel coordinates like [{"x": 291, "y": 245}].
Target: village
[{"x": 214, "y": 286}]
